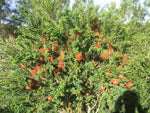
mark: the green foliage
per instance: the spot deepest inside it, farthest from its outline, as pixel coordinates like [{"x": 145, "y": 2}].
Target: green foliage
[{"x": 74, "y": 60}]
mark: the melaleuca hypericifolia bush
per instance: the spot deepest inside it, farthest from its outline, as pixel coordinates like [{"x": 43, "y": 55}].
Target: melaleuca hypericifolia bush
[{"x": 67, "y": 61}]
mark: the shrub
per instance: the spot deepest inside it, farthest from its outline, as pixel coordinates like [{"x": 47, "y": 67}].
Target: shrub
[{"x": 65, "y": 61}]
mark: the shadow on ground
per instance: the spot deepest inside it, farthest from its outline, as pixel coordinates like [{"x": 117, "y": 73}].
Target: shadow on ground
[{"x": 129, "y": 101}]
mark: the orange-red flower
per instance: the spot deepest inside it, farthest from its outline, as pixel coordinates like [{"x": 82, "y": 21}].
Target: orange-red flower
[
  {"x": 121, "y": 76},
  {"x": 126, "y": 60},
  {"x": 40, "y": 59},
  {"x": 101, "y": 37},
  {"x": 108, "y": 70},
  {"x": 38, "y": 67},
  {"x": 57, "y": 72},
  {"x": 108, "y": 101},
  {"x": 60, "y": 65},
  {"x": 43, "y": 39},
  {"x": 23, "y": 65},
  {"x": 114, "y": 81},
  {"x": 79, "y": 57},
  {"x": 60, "y": 59},
  {"x": 62, "y": 52},
  {"x": 110, "y": 48},
  {"x": 46, "y": 71},
  {"x": 33, "y": 72},
  {"x": 78, "y": 34},
  {"x": 96, "y": 33},
  {"x": 103, "y": 58},
  {"x": 11, "y": 36},
  {"x": 47, "y": 50},
  {"x": 32, "y": 82},
  {"x": 27, "y": 87},
  {"x": 97, "y": 45},
  {"x": 54, "y": 47},
  {"x": 128, "y": 85},
  {"x": 37, "y": 84},
  {"x": 102, "y": 88},
  {"x": 50, "y": 58},
  {"x": 119, "y": 66},
  {"x": 107, "y": 54},
  {"x": 42, "y": 51},
  {"x": 49, "y": 98}
]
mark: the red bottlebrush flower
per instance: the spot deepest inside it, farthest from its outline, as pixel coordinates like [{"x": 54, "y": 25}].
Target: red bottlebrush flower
[
  {"x": 62, "y": 52},
  {"x": 97, "y": 45},
  {"x": 50, "y": 58},
  {"x": 27, "y": 87},
  {"x": 104, "y": 55},
  {"x": 107, "y": 54},
  {"x": 114, "y": 81},
  {"x": 102, "y": 88},
  {"x": 60, "y": 65},
  {"x": 32, "y": 82},
  {"x": 11, "y": 36},
  {"x": 23, "y": 65},
  {"x": 46, "y": 71},
  {"x": 54, "y": 47},
  {"x": 110, "y": 48},
  {"x": 108, "y": 70},
  {"x": 37, "y": 84},
  {"x": 119, "y": 66},
  {"x": 42, "y": 51},
  {"x": 60, "y": 59},
  {"x": 49, "y": 98},
  {"x": 78, "y": 34},
  {"x": 40, "y": 60},
  {"x": 47, "y": 50},
  {"x": 79, "y": 57},
  {"x": 128, "y": 85},
  {"x": 101, "y": 37},
  {"x": 108, "y": 101},
  {"x": 38, "y": 67},
  {"x": 110, "y": 40},
  {"x": 126, "y": 60},
  {"x": 121, "y": 76},
  {"x": 33, "y": 72},
  {"x": 103, "y": 58},
  {"x": 57, "y": 72},
  {"x": 96, "y": 33},
  {"x": 43, "y": 39}
]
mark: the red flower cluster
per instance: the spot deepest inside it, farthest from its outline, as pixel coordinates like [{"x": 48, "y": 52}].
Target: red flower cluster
[
  {"x": 50, "y": 58},
  {"x": 22, "y": 65},
  {"x": 60, "y": 65},
  {"x": 114, "y": 81},
  {"x": 49, "y": 98},
  {"x": 121, "y": 76},
  {"x": 107, "y": 53},
  {"x": 79, "y": 57},
  {"x": 128, "y": 84},
  {"x": 78, "y": 34},
  {"x": 43, "y": 39},
  {"x": 57, "y": 72},
  {"x": 97, "y": 45},
  {"x": 62, "y": 52},
  {"x": 54, "y": 47}
]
